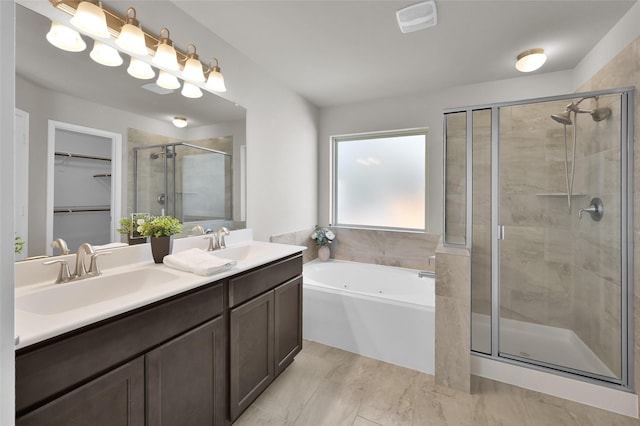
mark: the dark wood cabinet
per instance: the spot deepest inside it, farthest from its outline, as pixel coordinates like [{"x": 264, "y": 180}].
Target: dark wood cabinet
[
  {"x": 113, "y": 399},
  {"x": 197, "y": 358},
  {"x": 288, "y": 323},
  {"x": 251, "y": 340},
  {"x": 265, "y": 332},
  {"x": 186, "y": 378}
]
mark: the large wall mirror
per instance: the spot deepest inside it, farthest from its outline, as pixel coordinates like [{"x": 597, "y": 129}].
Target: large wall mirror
[{"x": 160, "y": 168}]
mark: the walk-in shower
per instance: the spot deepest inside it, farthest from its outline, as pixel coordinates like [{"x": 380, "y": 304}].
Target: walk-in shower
[
  {"x": 551, "y": 286},
  {"x": 190, "y": 182}
]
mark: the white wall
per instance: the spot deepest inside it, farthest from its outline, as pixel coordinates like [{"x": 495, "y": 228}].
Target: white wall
[
  {"x": 423, "y": 110},
  {"x": 7, "y": 363}
]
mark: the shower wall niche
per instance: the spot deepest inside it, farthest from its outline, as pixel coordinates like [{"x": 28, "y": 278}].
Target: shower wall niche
[{"x": 550, "y": 288}]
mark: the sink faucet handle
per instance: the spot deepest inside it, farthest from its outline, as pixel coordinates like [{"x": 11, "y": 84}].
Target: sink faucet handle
[
  {"x": 94, "y": 268},
  {"x": 212, "y": 243},
  {"x": 64, "y": 274}
]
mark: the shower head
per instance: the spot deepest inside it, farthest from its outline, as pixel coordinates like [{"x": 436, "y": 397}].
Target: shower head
[
  {"x": 600, "y": 114},
  {"x": 155, "y": 155},
  {"x": 563, "y": 118}
]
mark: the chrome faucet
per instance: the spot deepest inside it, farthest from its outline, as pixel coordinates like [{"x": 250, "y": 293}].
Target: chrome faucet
[
  {"x": 220, "y": 237},
  {"x": 65, "y": 275},
  {"x": 198, "y": 230}
]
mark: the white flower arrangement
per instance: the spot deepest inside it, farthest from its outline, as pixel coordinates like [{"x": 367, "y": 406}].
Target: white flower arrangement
[{"x": 323, "y": 236}]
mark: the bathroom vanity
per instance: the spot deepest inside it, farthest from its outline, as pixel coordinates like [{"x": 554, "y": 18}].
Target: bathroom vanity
[{"x": 198, "y": 357}]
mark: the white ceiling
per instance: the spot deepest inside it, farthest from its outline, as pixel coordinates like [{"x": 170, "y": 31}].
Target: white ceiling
[{"x": 340, "y": 52}]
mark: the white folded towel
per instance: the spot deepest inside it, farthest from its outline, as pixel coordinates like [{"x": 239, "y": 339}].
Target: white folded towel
[{"x": 198, "y": 261}]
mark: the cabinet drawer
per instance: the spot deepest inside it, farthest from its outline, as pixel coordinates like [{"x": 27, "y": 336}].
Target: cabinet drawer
[
  {"x": 249, "y": 285},
  {"x": 47, "y": 370}
]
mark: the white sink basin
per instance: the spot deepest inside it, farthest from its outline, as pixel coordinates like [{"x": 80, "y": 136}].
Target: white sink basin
[
  {"x": 248, "y": 253},
  {"x": 78, "y": 294}
]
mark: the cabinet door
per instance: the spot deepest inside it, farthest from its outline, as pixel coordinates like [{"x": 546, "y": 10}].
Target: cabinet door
[
  {"x": 288, "y": 323},
  {"x": 113, "y": 399},
  {"x": 185, "y": 378},
  {"x": 251, "y": 340}
]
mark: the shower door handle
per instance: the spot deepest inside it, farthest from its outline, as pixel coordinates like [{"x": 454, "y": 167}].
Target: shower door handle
[{"x": 500, "y": 232}]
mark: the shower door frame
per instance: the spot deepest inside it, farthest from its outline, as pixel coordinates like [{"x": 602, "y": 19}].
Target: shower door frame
[
  {"x": 165, "y": 147},
  {"x": 626, "y": 234}
]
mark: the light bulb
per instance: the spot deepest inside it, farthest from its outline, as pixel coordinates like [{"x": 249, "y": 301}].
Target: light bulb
[
  {"x": 140, "y": 69},
  {"x": 105, "y": 54},
  {"x": 65, "y": 38},
  {"x": 90, "y": 18},
  {"x": 192, "y": 70},
  {"x": 167, "y": 81},
  {"x": 131, "y": 38},
  {"x": 190, "y": 90},
  {"x": 165, "y": 56}
]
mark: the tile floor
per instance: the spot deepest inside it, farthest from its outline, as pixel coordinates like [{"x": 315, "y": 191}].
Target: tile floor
[{"x": 328, "y": 386}]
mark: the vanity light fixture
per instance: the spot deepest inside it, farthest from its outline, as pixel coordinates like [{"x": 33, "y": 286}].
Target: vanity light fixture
[
  {"x": 167, "y": 81},
  {"x": 131, "y": 38},
  {"x": 530, "y": 60},
  {"x": 65, "y": 38},
  {"x": 180, "y": 122},
  {"x": 190, "y": 90},
  {"x": 90, "y": 18},
  {"x": 215, "y": 80},
  {"x": 105, "y": 54},
  {"x": 192, "y": 70},
  {"x": 165, "y": 56},
  {"x": 140, "y": 69}
]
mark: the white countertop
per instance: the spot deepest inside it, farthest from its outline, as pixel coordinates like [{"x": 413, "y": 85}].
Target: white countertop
[{"x": 33, "y": 327}]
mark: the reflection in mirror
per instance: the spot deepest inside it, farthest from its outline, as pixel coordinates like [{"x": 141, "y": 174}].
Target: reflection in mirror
[{"x": 73, "y": 89}]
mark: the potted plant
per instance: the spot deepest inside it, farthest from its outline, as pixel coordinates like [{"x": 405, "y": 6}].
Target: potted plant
[
  {"x": 323, "y": 237},
  {"x": 129, "y": 226},
  {"x": 160, "y": 230}
]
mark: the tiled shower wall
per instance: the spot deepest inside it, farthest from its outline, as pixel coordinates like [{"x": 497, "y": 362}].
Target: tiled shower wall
[{"x": 405, "y": 249}]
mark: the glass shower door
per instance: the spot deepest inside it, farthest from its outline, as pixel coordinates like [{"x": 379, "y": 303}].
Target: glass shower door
[{"x": 560, "y": 267}]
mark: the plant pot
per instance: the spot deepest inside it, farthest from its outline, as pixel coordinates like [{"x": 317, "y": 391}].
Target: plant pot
[
  {"x": 161, "y": 247},
  {"x": 135, "y": 240},
  {"x": 323, "y": 253}
]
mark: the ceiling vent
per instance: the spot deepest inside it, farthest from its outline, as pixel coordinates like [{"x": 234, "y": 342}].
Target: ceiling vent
[
  {"x": 153, "y": 87},
  {"x": 417, "y": 16}
]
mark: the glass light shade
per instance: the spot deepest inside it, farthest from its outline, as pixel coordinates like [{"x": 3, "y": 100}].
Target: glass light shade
[
  {"x": 167, "y": 81},
  {"x": 140, "y": 69},
  {"x": 166, "y": 57},
  {"x": 105, "y": 54},
  {"x": 193, "y": 71},
  {"x": 530, "y": 60},
  {"x": 215, "y": 81},
  {"x": 131, "y": 40},
  {"x": 179, "y": 122},
  {"x": 65, "y": 38},
  {"x": 90, "y": 18},
  {"x": 190, "y": 90}
]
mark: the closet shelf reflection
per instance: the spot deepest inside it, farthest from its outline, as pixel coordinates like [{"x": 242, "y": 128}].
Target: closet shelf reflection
[
  {"x": 86, "y": 157},
  {"x": 84, "y": 209}
]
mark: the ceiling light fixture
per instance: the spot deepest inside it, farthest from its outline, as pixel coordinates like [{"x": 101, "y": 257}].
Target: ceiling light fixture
[
  {"x": 90, "y": 18},
  {"x": 105, "y": 54},
  {"x": 417, "y": 16},
  {"x": 530, "y": 60},
  {"x": 167, "y": 81},
  {"x": 215, "y": 80},
  {"x": 140, "y": 69},
  {"x": 166, "y": 56},
  {"x": 131, "y": 38},
  {"x": 190, "y": 90},
  {"x": 180, "y": 122},
  {"x": 65, "y": 38},
  {"x": 193, "y": 67}
]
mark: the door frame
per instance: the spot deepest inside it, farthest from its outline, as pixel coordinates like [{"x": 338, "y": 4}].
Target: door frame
[{"x": 116, "y": 174}]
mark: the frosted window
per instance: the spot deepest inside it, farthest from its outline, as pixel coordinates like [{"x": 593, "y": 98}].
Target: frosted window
[{"x": 380, "y": 181}]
